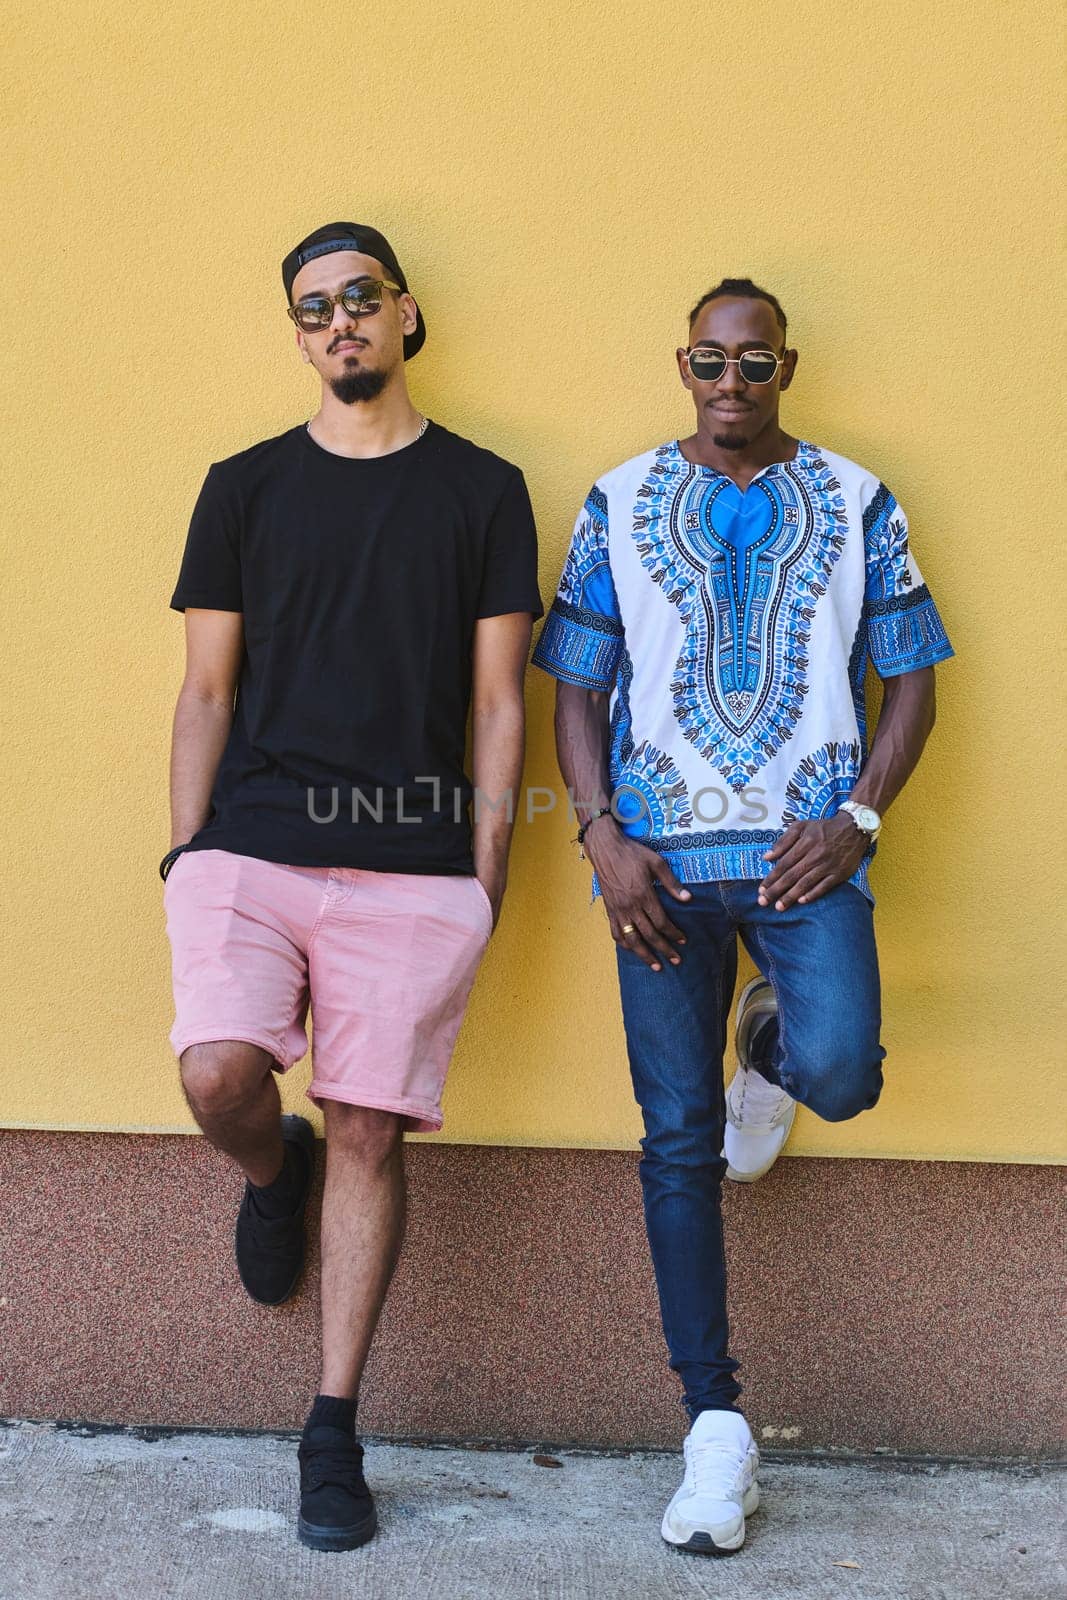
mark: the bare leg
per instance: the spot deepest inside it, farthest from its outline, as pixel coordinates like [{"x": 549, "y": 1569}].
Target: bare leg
[
  {"x": 233, "y": 1096},
  {"x": 363, "y": 1215}
]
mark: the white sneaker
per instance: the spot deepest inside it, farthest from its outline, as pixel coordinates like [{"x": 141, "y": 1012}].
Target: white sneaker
[
  {"x": 707, "y": 1514},
  {"x": 759, "y": 1115}
]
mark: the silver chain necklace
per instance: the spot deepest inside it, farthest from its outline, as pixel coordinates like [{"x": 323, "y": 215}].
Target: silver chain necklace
[{"x": 422, "y": 430}]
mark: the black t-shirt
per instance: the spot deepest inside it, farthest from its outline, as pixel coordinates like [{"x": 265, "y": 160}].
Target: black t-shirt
[{"x": 359, "y": 582}]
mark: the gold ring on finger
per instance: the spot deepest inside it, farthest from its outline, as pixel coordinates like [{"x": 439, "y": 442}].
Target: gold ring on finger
[{"x": 628, "y": 927}]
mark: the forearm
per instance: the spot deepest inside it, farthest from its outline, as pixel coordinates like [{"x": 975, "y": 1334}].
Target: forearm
[
  {"x": 201, "y": 729},
  {"x": 627, "y": 870},
  {"x": 815, "y": 855},
  {"x": 582, "y": 745},
  {"x": 908, "y": 714},
  {"x": 498, "y": 749}
]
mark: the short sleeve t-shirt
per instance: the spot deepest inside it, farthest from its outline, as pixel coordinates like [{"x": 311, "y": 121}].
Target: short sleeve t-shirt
[
  {"x": 359, "y": 582},
  {"x": 733, "y": 631}
]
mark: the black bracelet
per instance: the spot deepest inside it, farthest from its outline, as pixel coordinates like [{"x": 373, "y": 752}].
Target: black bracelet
[
  {"x": 169, "y": 859},
  {"x": 585, "y": 826}
]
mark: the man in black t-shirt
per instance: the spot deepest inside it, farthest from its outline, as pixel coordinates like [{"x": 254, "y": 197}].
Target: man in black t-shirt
[{"x": 352, "y": 588}]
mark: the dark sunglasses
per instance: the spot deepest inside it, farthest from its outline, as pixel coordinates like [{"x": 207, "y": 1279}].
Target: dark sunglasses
[
  {"x": 360, "y": 299},
  {"x": 707, "y": 364}
]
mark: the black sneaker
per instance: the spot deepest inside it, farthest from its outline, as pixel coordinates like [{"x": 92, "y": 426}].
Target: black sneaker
[
  {"x": 336, "y": 1507},
  {"x": 270, "y": 1250}
]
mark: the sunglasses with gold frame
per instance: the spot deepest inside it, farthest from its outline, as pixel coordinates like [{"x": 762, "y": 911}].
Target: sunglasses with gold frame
[
  {"x": 707, "y": 364},
  {"x": 360, "y": 298}
]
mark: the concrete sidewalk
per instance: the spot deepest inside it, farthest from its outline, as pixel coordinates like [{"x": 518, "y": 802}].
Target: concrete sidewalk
[{"x": 98, "y": 1515}]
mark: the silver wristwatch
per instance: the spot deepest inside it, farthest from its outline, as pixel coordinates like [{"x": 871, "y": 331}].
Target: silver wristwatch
[{"x": 866, "y": 818}]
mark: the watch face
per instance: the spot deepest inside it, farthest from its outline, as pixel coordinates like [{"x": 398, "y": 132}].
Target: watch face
[{"x": 867, "y": 819}]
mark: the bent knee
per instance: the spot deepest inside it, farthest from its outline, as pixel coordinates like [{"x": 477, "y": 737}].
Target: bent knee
[
  {"x": 218, "y": 1077},
  {"x": 840, "y": 1089}
]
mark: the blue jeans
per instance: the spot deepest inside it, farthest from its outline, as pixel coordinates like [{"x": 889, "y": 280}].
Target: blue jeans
[{"x": 823, "y": 1049}]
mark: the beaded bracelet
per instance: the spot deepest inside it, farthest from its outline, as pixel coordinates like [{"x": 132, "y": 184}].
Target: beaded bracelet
[{"x": 584, "y": 827}]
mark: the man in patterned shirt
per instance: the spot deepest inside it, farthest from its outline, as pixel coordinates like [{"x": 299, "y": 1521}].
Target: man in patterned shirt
[{"x": 720, "y": 600}]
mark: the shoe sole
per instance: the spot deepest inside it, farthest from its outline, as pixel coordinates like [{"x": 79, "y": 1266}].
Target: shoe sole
[
  {"x": 350, "y": 1538},
  {"x": 750, "y": 1177},
  {"x": 297, "y": 1130},
  {"x": 741, "y": 1051},
  {"x": 702, "y": 1544},
  {"x": 758, "y": 982}
]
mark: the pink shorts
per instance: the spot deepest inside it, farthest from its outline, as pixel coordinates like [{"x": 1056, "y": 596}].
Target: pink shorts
[{"x": 386, "y": 961}]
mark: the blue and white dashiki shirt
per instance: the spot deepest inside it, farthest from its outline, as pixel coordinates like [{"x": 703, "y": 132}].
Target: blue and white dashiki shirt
[{"x": 733, "y": 631}]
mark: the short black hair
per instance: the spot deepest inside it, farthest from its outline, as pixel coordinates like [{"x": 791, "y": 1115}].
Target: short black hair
[{"x": 744, "y": 289}]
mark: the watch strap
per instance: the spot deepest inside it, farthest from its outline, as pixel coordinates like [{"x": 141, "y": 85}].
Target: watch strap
[{"x": 852, "y": 807}]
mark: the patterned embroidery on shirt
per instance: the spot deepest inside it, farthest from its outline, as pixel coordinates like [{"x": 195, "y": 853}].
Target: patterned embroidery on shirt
[
  {"x": 745, "y": 574},
  {"x": 588, "y": 550},
  {"x": 857, "y": 677},
  {"x": 885, "y": 537},
  {"x": 822, "y": 781},
  {"x": 653, "y": 793},
  {"x": 650, "y": 795},
  {"x": 622, "y": 739},
  {"x": 582, "y": 634},
  {"x": 906, "y": 632},
  {"x": 579, "y": 645}
]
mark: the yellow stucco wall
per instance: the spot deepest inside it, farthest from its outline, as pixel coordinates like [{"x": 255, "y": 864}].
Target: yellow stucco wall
[{"x": 560, "y": 182}]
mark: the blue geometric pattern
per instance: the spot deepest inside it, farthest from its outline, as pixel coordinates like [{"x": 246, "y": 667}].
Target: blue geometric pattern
[
  {"x": 648, "y": 789},
  {"x": 734, "y": 631},
  {"x": 579, "y": 646},
  {"x": 588, "y": 557},
  {"x": 582, "y": 637},
  {"x": 622, "y": 739},
  {"x": 857, "y": 678},
  {"x": 906, "y": 632},
  {"x": 745, "y": 572},
  {"x": 822, "y": 781},
  {"x": 650, "y": 794},
  {"x": 885, "y": 537},
  {"x": 709, "y": 853}
]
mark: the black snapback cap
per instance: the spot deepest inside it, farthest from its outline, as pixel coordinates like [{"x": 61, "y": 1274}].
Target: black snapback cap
[{"x": 369, "y": 242}]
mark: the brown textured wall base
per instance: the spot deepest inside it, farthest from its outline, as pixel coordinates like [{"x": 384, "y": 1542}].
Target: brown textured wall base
[{"x": 905, "y": 1305}]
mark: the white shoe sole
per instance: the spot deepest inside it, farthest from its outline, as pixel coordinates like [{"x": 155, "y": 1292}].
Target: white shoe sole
[
  {"x": 701, "y": 1541},
  {"x": 739, "y": 1176},
  {"x": 768, "y": 1009}
]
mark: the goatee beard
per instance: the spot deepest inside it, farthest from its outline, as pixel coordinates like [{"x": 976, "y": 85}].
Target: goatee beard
[
  {"x": 728, "y": 441},
  {"x": 355, "y": 386}
]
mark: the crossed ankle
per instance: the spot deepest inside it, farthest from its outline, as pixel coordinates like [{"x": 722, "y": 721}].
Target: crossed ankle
[{"x": 282, "y": 1194}]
